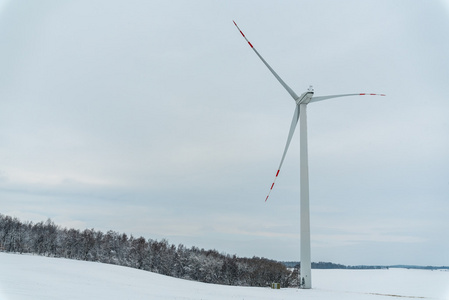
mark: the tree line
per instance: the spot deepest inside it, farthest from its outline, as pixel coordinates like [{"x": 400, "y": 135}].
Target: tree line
[
  {"x": 330, "y": 265},
  {"x": 210, "y": 266}
]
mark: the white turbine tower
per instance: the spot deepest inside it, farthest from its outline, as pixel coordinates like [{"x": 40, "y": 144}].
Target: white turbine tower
[{"x": 300, "y": 114}]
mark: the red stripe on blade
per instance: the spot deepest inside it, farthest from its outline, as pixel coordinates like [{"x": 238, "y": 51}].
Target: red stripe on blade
[
  {"x": 272, "y": 186},
  {"x": 277, "y": 173},
  {"x": 250, "y": 45}
]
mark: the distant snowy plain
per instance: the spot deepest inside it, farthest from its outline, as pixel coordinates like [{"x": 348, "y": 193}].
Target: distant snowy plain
[{"x": 26, "y": 277}]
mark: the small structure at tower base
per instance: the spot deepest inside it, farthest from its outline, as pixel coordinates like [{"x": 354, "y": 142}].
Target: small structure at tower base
[{"x": 275, "y": 285}]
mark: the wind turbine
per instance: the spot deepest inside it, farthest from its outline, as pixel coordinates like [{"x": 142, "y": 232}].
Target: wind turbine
[{"x": 300, "y": 114}]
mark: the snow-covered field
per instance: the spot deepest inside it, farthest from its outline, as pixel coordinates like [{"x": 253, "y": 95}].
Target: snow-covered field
[{"x": 41, "y": 278}]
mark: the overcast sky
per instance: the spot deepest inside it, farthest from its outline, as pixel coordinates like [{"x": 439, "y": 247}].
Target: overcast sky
[{"x": 155, "y": 118}]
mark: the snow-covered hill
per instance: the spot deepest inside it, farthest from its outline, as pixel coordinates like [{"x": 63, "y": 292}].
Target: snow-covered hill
[{"x": 24, "y": 277}]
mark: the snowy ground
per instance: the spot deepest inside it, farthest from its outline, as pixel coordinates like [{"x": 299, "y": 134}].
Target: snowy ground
[{"x": 38, "y": 278}]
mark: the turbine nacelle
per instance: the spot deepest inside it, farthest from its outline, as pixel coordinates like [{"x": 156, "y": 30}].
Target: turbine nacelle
[{"x": 305, "y": 97}]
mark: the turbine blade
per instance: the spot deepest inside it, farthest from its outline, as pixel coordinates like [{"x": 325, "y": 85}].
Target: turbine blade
[
  {"x": 320, "y": 98},
  {"x": 290, "y": 135},
  {"x": 289, "y": 90}
]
